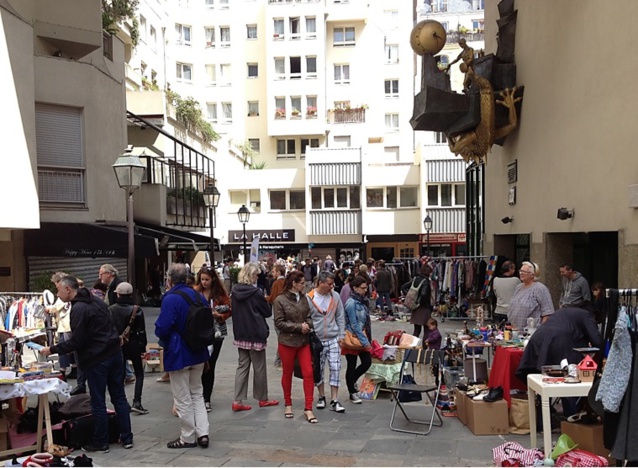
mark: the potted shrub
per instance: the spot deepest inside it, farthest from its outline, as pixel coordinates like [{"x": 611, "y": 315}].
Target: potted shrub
[
  {"x": 311, "y": 111},
  {"x": 280, "y": 113},
  {"x": 295, "y": 113}
]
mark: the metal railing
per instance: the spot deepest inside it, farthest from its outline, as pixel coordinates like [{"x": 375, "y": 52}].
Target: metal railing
[
  {"x": 335, "y": 222},
  {"x": 339, "y": 116}
]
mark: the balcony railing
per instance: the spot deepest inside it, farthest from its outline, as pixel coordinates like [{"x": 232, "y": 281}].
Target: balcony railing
[
  {"x": 332, "y": 223},
  {"x": 343, "y": 116},
  {"x": 454, "y": 36},
  {"x": 283, "y": 2}
]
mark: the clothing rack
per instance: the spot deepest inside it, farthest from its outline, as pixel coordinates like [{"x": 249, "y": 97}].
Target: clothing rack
[
  {"x": 20, "y": 294},
  {"x": 461, "y": 257},
  {"x": 621, "y": 292}
]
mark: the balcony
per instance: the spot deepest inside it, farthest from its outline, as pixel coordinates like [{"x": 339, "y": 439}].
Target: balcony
[
  {"x": 448, "y": 219},
  {"x": 347, "y": 116},
  {"x": 337, "y": 222},
  {"x": 454, "y": 36}
]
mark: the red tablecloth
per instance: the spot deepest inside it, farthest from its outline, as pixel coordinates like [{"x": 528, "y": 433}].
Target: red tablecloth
[{"x": 504, "y": 366}]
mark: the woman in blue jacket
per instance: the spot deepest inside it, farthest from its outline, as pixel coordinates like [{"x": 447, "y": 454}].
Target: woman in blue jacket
[{"x": 357, "y": 322}]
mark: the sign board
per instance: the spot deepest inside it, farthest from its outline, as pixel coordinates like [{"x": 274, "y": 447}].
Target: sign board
[{"x": 273, "y": 235}]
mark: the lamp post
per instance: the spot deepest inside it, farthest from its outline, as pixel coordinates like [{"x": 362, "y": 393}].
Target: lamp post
[
  {"x": 427, "y": 224},
  {"x": 129, "y": 171},
  {"x": 211, "y": 198},
  {"x": 244, "y": 215}
]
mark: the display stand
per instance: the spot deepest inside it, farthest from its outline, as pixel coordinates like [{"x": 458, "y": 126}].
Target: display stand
[
  {"x": 41, "y": 388},
  {"x": 546, "y": 391}
]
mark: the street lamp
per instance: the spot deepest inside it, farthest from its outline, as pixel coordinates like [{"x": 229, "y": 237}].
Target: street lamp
[
  {"x": 427, "y": 224},
  {"x": 129, "y": 171},
  {"x": 244, "y": 216},
  {"x": 211, "y": 199}
]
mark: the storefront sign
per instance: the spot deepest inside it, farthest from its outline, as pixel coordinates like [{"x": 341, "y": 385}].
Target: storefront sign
[
  {"x": 443, "y": 237},
  {"x": 280, "y": 235}
]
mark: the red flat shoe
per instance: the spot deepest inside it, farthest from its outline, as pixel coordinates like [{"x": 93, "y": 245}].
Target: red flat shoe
[
  {"x": 264, "y": 403},
  {"x": 241, "y": 407}
]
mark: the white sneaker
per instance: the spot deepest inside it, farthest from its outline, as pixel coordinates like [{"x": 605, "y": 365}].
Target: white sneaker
[
  {"x": 321, "y": 403},
  {"x": 337, "y": 407},
  {"x": 354, "y": 398}
]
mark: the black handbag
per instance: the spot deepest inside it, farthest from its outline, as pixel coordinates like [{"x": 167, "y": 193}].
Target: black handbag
[
  {"x": 408, "y": 395},
  {"x": 316, "y": 348}
]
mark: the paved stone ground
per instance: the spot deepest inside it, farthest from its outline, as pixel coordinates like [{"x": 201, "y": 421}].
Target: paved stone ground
[{"x": 263, "y": 437}]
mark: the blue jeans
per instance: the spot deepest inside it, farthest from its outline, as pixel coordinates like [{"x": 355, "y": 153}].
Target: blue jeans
[
  {"x": 385, "y": 296},
  {"x": 108, "y": 373}
]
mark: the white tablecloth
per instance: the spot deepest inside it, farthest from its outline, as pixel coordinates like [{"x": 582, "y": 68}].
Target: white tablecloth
[{"x": 35, "y": 387}]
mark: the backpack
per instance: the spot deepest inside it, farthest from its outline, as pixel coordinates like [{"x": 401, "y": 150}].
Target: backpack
[
  {"x": 412, "y": 298},
  {"x": 199, "y": 331}
]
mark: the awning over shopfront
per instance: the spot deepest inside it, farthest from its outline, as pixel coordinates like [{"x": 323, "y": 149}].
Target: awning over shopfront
[
  {"x": 174, "y": 239},
  {"x": 85, "y": 240}
]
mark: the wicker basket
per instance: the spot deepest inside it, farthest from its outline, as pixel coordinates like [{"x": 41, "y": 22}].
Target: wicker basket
[{"x": 398, "y": 358}]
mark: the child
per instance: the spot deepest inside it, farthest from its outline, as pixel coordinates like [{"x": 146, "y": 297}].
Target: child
[{"x": 433, "y": 339}]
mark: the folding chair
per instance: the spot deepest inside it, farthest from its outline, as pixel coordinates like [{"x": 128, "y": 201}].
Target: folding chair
[{"x": 426, "y": 357}]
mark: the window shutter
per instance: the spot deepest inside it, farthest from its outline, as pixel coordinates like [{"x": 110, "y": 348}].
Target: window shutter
[{"x": 59, "y": 135}]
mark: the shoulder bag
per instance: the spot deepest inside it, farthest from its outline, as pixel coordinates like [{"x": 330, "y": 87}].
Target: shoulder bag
[{"x": 125, "y": 336}]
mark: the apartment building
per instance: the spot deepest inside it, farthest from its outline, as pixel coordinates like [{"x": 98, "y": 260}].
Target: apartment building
[{"x": 63, "y": 82}]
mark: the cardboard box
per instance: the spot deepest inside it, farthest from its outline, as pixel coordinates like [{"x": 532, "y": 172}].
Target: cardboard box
[
  {"x": 483, "y": 418},
  {"x": 153, "y": 362},
  {"x": 589, "y": 437}
]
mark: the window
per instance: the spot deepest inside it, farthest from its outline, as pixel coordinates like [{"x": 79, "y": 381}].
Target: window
[
  {"x": 280, "y": 68},
  {"x": 184, "y": 72},
  {"x": 311, "y": 67},
  {"x": 211, "y": 75},
  {"x": 251, "y": 198},
  {"x": 223, "y": 4},
  {"x": 446, "y": 26},
  {"x": 335, "y": 197},
  {"x": 478, "y": 4},
  {"x": 294, "y": 29},
  {"x": 295, "y": 106},
  {"x": 342, "y": 141},
  {"x": 253, "y": 70},
  {"x": 446, "y": 195},
  {"x": 342, "y": 36},
  {"x": 442, "y": 62},
  {"x": 224, "y": 36},
  {"x": 439, "y": 138},
  {"x": 278, "y": 28},
  {"x": 312, "y": 142},
  {"x": 311, "y": 106},
  {"x": 391, "y": 19},
  {"x": 342, "y": 74},
  {"x": 286, "y": 149},
  {"x": 153, "y": 38},
  {"x": 392, "y": 53},
  {"x": 142, "y": 28},
  {"x": 311, "y": 27},
  {"x": 439, "y": 6},
  {"x": 254, "y": 144},
  {"x": 391, "y": 88},
  {"x": 210, "y": 3},
  {"x": 392, "y": 122},
  {"x": 225, "y": 77},
  {"x": 183, "y": 34},
  {"x": 287, "y": 200},
  {"x": 342, "y": 104},
  {"x": 478, "y": 25},
  {"x": 210, "y": 36},
  {"x": 392, "y": 197},
  {"x": 211, "y": 112},
  {"x": 280, "y": 107},
  {"x": 251, "y": 31},
  {"x": 60, "y": 154},
  {"x": 227, "y": 109},
  {"x": 253, "y": 108},
  {"x": 391, "y": 153},
  {"x": 295, "y": 68}
]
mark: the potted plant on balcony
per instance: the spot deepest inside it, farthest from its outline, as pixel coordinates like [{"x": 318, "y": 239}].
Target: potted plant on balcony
[
  {"x": 311, "y": 111},
  {"x": 296, "y": 112},
  {"x": 280, "y": 113}
]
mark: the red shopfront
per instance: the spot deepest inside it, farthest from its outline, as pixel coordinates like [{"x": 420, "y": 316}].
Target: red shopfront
[{"x": 443, "y": 244}]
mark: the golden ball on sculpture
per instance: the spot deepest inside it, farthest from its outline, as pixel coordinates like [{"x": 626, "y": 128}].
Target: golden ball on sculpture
[{"x": 427, "y": 37}]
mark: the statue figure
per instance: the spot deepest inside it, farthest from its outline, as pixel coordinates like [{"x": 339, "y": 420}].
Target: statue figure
[{"x": 467, "y": 55}]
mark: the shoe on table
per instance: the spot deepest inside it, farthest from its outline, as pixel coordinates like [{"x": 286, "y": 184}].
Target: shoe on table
[
  {"x": 78, "y": 390},
  {"x": 321, "y": 402},
  {"x": 138, "y": 408},
  {"x": 95, "y": 448},
  {"x": 354, "y": 398},
  {"x": 337, "y": 407},
  {"x": 494, "y": 394}
]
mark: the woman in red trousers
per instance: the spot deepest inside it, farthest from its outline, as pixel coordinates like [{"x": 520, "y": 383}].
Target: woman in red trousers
[{"x": 293, "y": 320}]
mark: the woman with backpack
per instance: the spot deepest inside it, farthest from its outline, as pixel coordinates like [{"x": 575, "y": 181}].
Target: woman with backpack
[{"x": 420, "y": 316}]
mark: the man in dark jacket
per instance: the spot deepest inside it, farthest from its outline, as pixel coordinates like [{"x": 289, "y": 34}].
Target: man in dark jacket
[
  {"x": 383, "y": 285},
  {"x": 122, "y": 313},
  {"x": 94, "y": 337},
  {"x": 108, "y": 276}
]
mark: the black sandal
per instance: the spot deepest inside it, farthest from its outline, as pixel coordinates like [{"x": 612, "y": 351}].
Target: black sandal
[
  {"x": 311, "y": 419},
  {"x": 180, "y": 444},
  {"x": 203, "y": 441}
]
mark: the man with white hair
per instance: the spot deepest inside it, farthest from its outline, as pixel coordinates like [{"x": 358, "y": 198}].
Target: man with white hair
[{"x": 108, "y": 276}]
